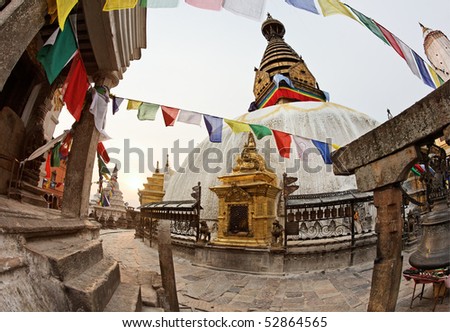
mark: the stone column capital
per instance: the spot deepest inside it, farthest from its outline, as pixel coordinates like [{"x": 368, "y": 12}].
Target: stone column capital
[{"x": 110, "y": 79}]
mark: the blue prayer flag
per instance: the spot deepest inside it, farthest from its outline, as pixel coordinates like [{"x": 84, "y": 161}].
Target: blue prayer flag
[
  {"x": 423, "y": 71},
  {"x": 324, "y": 150},
  {"x": 214, "y": 125},
  {"x": 304, "y": 4}
]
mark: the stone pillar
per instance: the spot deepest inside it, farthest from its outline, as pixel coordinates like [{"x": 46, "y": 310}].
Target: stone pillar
[
  {"x": 166, "y": 264},
  {"x": 388, "y": 264},
  {"x": 82, "y": 155},
  {"x": 20, "y": 21}
]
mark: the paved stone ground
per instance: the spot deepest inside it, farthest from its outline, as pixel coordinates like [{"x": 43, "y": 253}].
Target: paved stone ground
[{"x": 203, "y": 289}]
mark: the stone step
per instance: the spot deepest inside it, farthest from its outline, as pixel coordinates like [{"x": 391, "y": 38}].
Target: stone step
[
  {"x": 68, "y": 257},
  {"x": 149, "y": 296},
  {"x": 126, "y": 298},
  {"x": 93, "y": 289}
]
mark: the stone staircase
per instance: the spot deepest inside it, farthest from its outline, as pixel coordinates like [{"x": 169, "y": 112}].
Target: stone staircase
[{"x": 91, "y": 282}]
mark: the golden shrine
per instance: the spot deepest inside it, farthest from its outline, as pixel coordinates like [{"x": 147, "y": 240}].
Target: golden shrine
[
  {"x": 154, "y": 188},
  {"x": 247, "y": 201}
]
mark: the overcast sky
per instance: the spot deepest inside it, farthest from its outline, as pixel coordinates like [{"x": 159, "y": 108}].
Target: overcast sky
[{"x": 203, "y": 61}]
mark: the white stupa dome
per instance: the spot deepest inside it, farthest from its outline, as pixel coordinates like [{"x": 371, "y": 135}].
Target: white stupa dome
[{"x": 322, "y": 121}]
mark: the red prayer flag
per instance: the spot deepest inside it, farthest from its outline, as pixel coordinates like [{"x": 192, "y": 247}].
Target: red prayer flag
[
  {"x": 283, "y": 141},
  {"x": 390, "y": 37},
  {"x": 48, "y": 168},
  {"x": 102, "y": 152},
  {"x": 75, "y": 87},
  {"x": 169, "y": 114}
]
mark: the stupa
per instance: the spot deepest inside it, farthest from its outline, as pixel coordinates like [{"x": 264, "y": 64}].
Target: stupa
[
  {"x": 111, "y": 207},
  {"x": 437, "y": 49},
  {"x": 287, "y": 98}
]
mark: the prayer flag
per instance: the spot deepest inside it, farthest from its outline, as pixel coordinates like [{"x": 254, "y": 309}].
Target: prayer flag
[
  {"x": 169, "y": 115},
  {"x": 133, "y": 104},
  {"x": 278, "y": 78},
  {"x": 75, "y": 87},
  {"x": 102, "y": 169},
  {"x": 308, "y": 5},
  {"x": 333, "y": 7},
  {"x": 65, "y": 146},
  {"x": 408, "y": 56},
  {"x": 260, "y": 131},
  {"x": 55, "y": 160},
  {"x": 48, "y": 168},
  {"x": 206, "y": 4},
  {"x": 40, "y": 151},
  {"x": 435, "y": 76},
  {"x": 190, "y": 117},
  {"x": 324, "y": 150},
  {"x": 159, "y": 3},
  {"x": 119, "y": 4},
  {"x": 302, "y": 144},
  {"x": 57, "y": 51},
  {"x": 283, "y": 141},
  {"x": 390, "y": 37},
  {"x": 370, "y": 24},
  {"x": 253, "y": 9},
  {"x": 147, "y": 111},
  {"x": 102, "y": 152},
  {"x": 99, "y": 109},
  {"x": 52, "y": 10},
  {"x": 63, "y": 10},
  {"x": 117, "y": 101},
  {"x": 237, "y": 127},
  {"x": 426, "y": 78},
  {"x": 214, "y": 126}
]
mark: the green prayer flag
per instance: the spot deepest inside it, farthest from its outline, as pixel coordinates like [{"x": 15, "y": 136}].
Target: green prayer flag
[
  {"x": 147, "y": 111},
  {"x": 367, "y": 21},
  {"x": 102, "y": 169},
  {"x": 260, "y": 131},
  {"x": 57, "y": 51},
  {"x": 55, "y": 161}
]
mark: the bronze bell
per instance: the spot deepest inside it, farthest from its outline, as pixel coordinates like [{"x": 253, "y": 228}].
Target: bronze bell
[{"x": 433, "y": 250}]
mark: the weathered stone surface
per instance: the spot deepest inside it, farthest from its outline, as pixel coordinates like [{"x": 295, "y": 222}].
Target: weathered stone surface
[
  {"x": 428, "y": 117},
  {"x": 392, "y": 169},
  {"x": 126, "y": 298},
  {"x": 13, "y": 130},
  {"x": 20, "y": 21}
]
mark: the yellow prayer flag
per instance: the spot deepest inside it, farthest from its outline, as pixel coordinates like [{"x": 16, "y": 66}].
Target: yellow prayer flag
[
  {"x": 119, "y": 4},
  {"x": 237, "y": 127},
  {"x": 434, "y": 75},
  {"x": 64, "y": 7},
  {"x": 333, "y": 7},
  {"x": 133, "y": 104},
  {"x": 335, "y": 146},
  {"x": 52, "y": 10}
]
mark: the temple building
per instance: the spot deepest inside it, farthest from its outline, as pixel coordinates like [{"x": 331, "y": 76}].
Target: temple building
[
  {"x": 287, "y": 98},
  {"x": 437, "y": 49}
]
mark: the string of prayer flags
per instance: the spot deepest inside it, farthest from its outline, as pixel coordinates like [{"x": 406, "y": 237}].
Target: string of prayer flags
[
  {"x": 133, "y": 104},
  {"x": 308, "y": 5},
  {"x": 283, "y": 141},
  {"x": 206, "y": 4},
  {"x": 57, "y": 51},
  {"x": 63, "y": 10},
  {"x": 324, "y": 150},
  {"x": 159, "y": 3},
  {"x": 117, "y": 101},
  {"x": 147, "y": 111},
  {"x": 408, "y": 57},
  {"x": 169, "y": 115},
  {"x": 214, "y": 126},
  {"x": 334, "y": 7},
  {"x": 75, "y": 87},
  {"x": 237, "y": 127},
  {"x": 260, "y": 131},
  {"x": 253, "y": 9},
  {"x": 369, "y": 23},
  {"x": 119, "y": 4}
]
